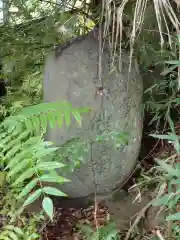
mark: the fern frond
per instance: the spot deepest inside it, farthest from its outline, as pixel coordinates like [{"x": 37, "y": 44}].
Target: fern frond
[
  {"x": 11, "y": 232},
  {"x": 37, "y": 115},
  {"x": 28, "y": 159}
]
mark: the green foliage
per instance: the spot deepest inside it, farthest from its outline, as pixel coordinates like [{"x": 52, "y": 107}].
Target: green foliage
[
  {"x": 167, "y": 97},
  {"x": 106, "y": 232},
  {"x": 119, "y": 138},
  {"x": 11, "y": 232},
  {"x": 15, "y": 233},
  {"x": 25, "y": 231},
  {"x": 172, "y": 177},
  {"x": 27, "y": 159}
]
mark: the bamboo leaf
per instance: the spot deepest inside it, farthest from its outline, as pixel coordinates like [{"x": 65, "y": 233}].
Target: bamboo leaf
[
  {"x": 168, "y": 168},
  {"x": 171, "y": 125},
  {"x": 166, "y": 137},
  {"x": 174, "y": 217},
  {"x": 162, "y": 200},
  {"x": 168, "y": 70},
  {"x": 177, "y": 62}
]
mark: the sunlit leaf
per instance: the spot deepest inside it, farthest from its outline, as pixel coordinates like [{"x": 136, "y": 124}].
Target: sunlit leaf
[
  {"x": 174, "y": 217},
  {"x": 13, "y": 235},
  {"x": 32, "y": 197},
  {"x": 168, "y": 168},
  {"x": 55, "y": 179},
  {"x": 28, "y": 188},
  {"x": 18, "y": 231},
  {"x": 162, "y": 200},
  {"x": 19, "y": 167},
  {"x": 25, "y": 175},
  {"x": 67, "y": 117},
  {"x": 177, "y": 62},
  {"x": 77, "y": 116},
  {"x": 33, "y": 236},
  {"x": 53, "y": 191},
  {"x": 47, "y": 205},
  {"x": 49, "y": 165}
]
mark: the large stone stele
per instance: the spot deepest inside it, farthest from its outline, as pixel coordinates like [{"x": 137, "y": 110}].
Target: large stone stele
[{"x": 73, "y": 76}]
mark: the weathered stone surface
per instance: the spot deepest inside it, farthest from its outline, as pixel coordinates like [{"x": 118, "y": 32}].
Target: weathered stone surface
[{"x": 73, "y": 76}]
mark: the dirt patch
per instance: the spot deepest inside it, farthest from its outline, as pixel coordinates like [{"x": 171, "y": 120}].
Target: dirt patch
[{"x": 123, "y": 212}]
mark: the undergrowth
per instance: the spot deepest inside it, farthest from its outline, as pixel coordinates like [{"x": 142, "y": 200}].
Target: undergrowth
[
  {"x": 28, "y": 165},
  {"x": 165, "y": 173},
  {"x": 170, "y": 184},
  {"x": 106, "y": 232}
]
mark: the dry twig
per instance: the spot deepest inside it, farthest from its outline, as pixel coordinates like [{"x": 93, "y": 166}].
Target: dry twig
[{"x": 141, "y": 214}]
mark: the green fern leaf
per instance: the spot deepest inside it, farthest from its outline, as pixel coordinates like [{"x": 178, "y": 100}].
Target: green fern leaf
[
  {"x": 17, "y": 140},
  {"x": 14, "y": 229},
  {"x": 60, "y": 120},
  {"x": 4, "y": 237},
  {"x": 24, "y": 176},
  {"x": 3, "y": 135},
  {"x": 9, "y": 227},
  {"x": 18, "y": 231},
  {"x": 13, "y": 235},
  {"x": 33, "y": 236},
  {"x": 67, "y": 117},
  {"x": 47, "y": 205},
  {"x": 52, "y": 119},
  {"x": 29, "y": 125},
  {"x": 17, "y": 158},
  {"x": 32, "y": 141},
  {"x": 19, "y": 167},
  {"x": 32, "y": 197},
  {"x": 53, "y": 191},
  {"x": 41, "y": 152},
  {"x": 44, "y": 122},
  {"x": 49, "y": 165},
  {"x": 77, "y": 116},
  {"x": 36, "y": 123},
  {"x": 5, "y": 141},
  {"x": 11, "y": 153},
  {"x": 28, "y": 188}
]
